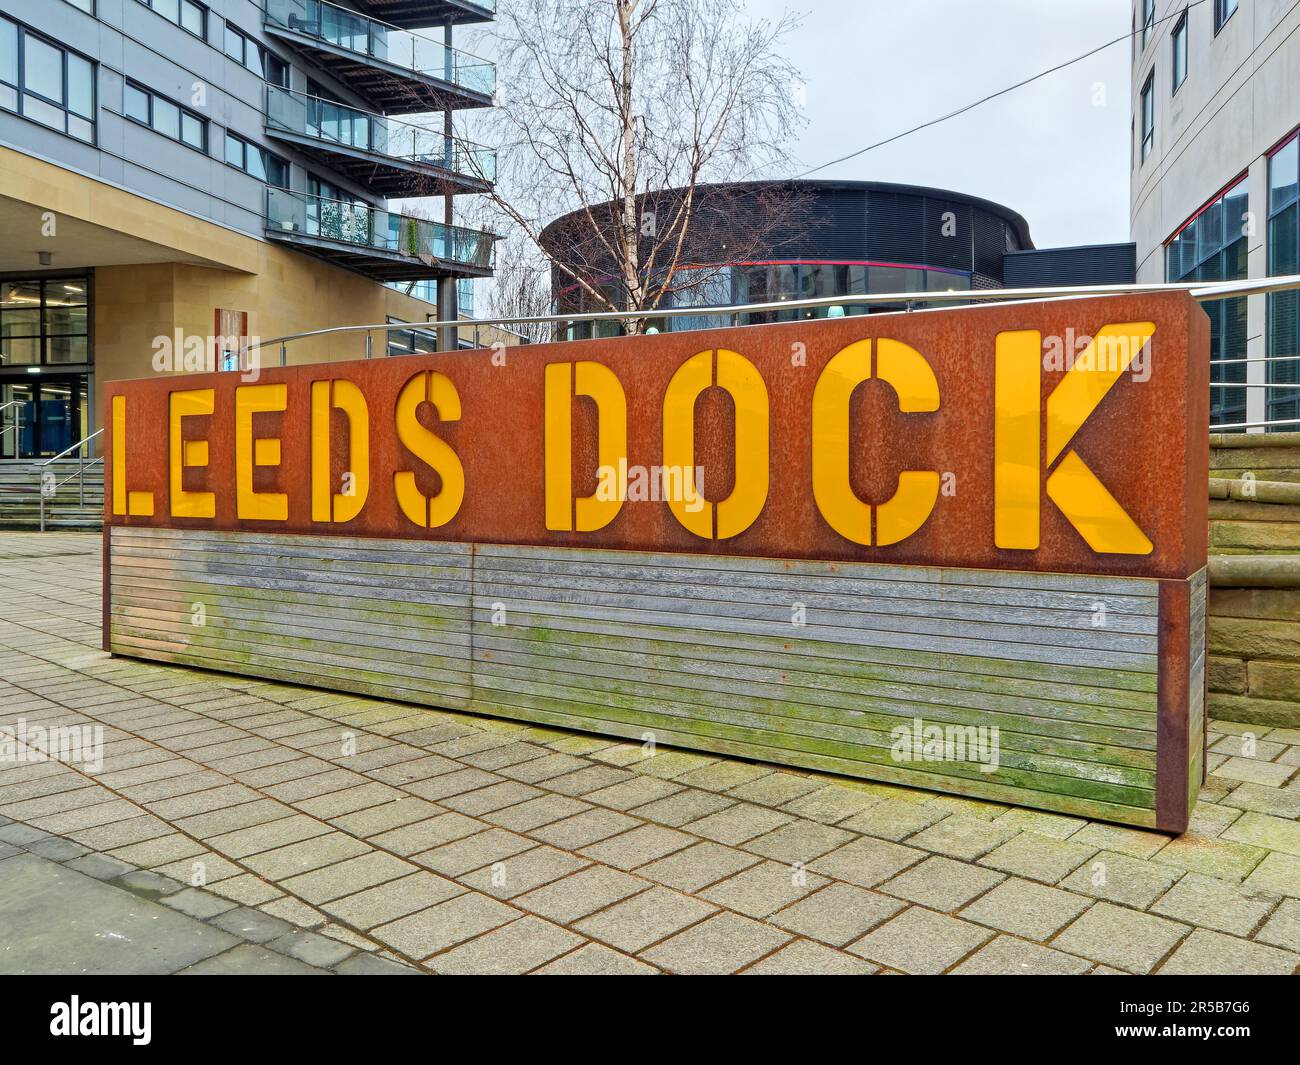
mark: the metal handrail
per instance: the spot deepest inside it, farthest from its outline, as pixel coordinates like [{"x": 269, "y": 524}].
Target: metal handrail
[
  {"x": 1199, "y": 292},
  {"x": 80, "y": 475}
]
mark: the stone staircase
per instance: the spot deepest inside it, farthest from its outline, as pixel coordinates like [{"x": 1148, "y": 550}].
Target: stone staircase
[
  {"x": 1254, "y": 609},
  {"x": 65, "y": 506}
]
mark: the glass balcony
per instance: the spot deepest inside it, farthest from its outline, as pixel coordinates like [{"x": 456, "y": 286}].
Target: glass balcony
[
  {"x": 403, "y": 50},
  {"x": 426, "y": 246},
  {"x": 410, "y": 151}
]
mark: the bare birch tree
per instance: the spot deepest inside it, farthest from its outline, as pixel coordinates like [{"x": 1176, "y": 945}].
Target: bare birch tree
[{"x": 621, "y": 109}]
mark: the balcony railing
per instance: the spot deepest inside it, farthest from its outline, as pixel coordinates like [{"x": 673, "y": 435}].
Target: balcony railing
[
  {"x": 362, "y": 36},
  {"x": 347, "y": 127},
  {"x": 365, "y": 227}
]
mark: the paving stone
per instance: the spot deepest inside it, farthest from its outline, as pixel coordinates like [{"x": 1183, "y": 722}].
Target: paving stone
[
  {"x": 297, "y": 858},
  {"x": 314, "y": 949},
  {"x": 637, "y": 847},
  {"x": 1124, "y": 938},
  {"x": 252, "y": 925},
  {"x": 1283, "y": 928},
  {"x": 802, "y": 958},
  {"x": 584, "y": 828},
  {"x": 721, "y": 775},
  {"x": 688, "y": 804},
  {"x": 515, "y": 948},
  {"x": 387, "y": 816},
  {"x": 147, "y": 884},
  {"x": 698, "y": 866},
  {"x": 1122, "y": 879},
  {"x": 1006, "y": 956},
  {"x": 1036, "y": 857},
  {"x": 473, "y": 852},
  {"x": 596, "y": 959},
  {"x": 99, "y": 930},
  {"x": 837, "y": 914},
  {"x": 920, "y": 941},
  {"x": 1269, "y": 773},
  {"x": 21, "y": 835},
  {"x": 362, "y": 964},
  {"x": 775, "y": 789},
  {"x": 1222, "y": 905},
  {"x": 763, "y": 889},
  {"x": 1206, "y": 953},
  {"x": 427, "y": 834},
  {"x": 486, "y": 800},
  {"x": 56, "y": 849},
  {"x": 798, "y": 841},
  {"x": 831, "y": 804},
  {"x": 1280, "y": 802},
  {"x": 523, "y": 872},
  {"x": 393, "y": 899},
  {"x": 866, "y": 862},
  {"x": 720, "y": 945},
  {"x": 635, "y": 792},
  {"x": 1134, "y": 842},
  {"x": 739, "y": 823},
  {"x": 347, "y": 878},
  {"x": 1058, "y": 826},
  {"x": 962, "y": 836},
  {"x": 893, "y": 819},
  {"x": 281, "y": 833},
  {"x": 534, "y": 813},
  {"x": 1221, "y": 858},
  {"x": 1264, "y": 830},
  {"x": 444, "y": 925},
  {"x": 247, "y": 889},
  {"x": 573, "y": 897},
  {"x": 941, "y": 883},
  {"x": 637, "y": 922},
  {"x": 200, "y": 904},
  {"x": 250, "y": 960},
  {"x": 591, "y": 778},
  {"x": 1027, "y": 909},
  {"x": 1277, "y": 874}
]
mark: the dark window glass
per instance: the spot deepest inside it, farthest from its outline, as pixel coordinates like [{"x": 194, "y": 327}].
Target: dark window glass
[
  {"x": 1180, "y": 51},
  {"x": 277, "y": 70},
  {"x": 1223, "y": 10},
  {"x": 1148, "y": 119}
]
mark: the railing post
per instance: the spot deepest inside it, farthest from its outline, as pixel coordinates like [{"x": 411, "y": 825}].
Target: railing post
[
  {"x": 81, "y": 478},
  {"x": 370, "y": 345}
]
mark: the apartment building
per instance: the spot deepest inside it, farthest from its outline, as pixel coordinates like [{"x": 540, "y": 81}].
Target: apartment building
[
  {"x": 1215, "y": 190},
  {"x": 178, "y": 176}
]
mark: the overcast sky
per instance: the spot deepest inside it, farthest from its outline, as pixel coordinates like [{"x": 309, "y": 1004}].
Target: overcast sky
[{"x": 876, "y": 67}]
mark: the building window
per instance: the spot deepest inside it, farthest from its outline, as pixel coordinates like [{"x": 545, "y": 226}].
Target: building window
[
  {"x": 187, "y": 14},
  {"x": 1179, "y": 39},
  {"x": 45, "y": 82},
  {"x": 243, "y": 49},
  {"x": 88, "y": 6},
  {"x": 1148, "y": 20},
  {"x": 165, "y": 116},
  {"x": 1211, "y": 246},
  {"x": 277, "y": 70},
  {"x": 1148, "y": 117},
  {"x": 410, "y": 341},
  {"x": 1223, "y": 10},
  {"x": 257, "y": 162},
  {"x": 1283, "y": 403}
]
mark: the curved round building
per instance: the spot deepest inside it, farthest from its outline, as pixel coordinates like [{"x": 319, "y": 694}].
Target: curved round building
[{"x": 768, "y": 241}]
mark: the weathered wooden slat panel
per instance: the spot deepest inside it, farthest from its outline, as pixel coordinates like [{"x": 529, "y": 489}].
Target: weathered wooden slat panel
[{"x": 700, "y": 651}]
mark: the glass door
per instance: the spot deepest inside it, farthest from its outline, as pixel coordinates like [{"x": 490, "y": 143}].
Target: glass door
[{"x": 47, "y": 416}]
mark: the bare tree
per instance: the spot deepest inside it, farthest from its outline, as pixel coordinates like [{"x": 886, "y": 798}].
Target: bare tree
[{"x": 621, "y": 110}]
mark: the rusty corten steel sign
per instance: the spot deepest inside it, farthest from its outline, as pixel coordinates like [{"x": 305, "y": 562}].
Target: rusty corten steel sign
[
  {"x": 993, "y": 516},
  {"x": 994, "y": 437}
]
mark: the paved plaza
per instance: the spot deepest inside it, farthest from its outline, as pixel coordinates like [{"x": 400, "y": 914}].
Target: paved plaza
[{"x": 241, "y": 826}]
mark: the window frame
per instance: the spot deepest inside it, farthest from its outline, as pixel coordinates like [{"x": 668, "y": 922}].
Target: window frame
[
  {"x": 1222, "y": 14},
  {"x": 1147, "y": 102},
  {"x": 1149, "y": 20},
  {"x": 1179, "y": 33},
  {"x": 246, "y": 44},
  {"x": 22, "y": 90},
  {"x": 268, "y": 158},
  {"x": 182, "y": 112},
  {"x": 181, "y": 6}
]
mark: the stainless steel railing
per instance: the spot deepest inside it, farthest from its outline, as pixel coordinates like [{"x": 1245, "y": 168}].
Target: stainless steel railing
[{"x": 47, "y": 485}]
